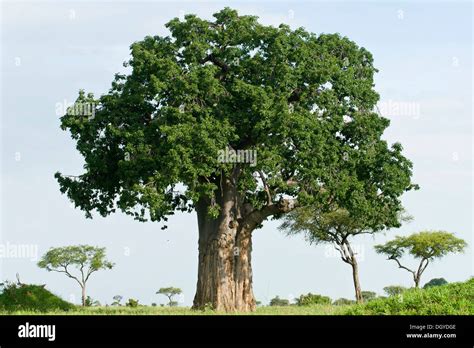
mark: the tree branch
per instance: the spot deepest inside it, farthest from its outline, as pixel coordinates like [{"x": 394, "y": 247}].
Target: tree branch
[
  {"x": 422, "y": 268},
  {"x": 401, "y": 266},
  {"x": 343, "y": 256},
  {"x": 266, "y": 188},
  {"x": 216, "y": 61},
  {"x": 65, "y": 271},
  {"x": 89, "y": 272},
  {"x": 257, "y": 216}
]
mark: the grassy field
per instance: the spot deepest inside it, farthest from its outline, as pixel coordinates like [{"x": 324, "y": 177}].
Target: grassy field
[
  {"x": 450, "y": 299},
  {"x": 148, "y": 310}
]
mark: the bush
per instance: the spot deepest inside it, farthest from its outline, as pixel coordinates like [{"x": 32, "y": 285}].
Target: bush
[
  {"x": 450, "y": 299},
  {"x": 90, "y": 302},
  {"x": 435, "y": 282},
  {"x": 343, "y": 302},
  {"x": 279, "y": 302},
  {"x": 368, "y": 295},
  {"x": 30, "y": 297},
  {"x": 132, "y": 303},
  {"x": 312, "y": 299},
  {"x": 394, "y": 290}
]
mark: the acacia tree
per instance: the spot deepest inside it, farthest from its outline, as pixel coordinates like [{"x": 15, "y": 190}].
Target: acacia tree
[
  {"x": 117, "y": 300},
  {"x": 87, "y": 259},
  {"x": 305, "y": 103},
  {"x": 336, "y": 227},
  {"x": 170, "y": 292},
  {"x": 425, "y": 245}
]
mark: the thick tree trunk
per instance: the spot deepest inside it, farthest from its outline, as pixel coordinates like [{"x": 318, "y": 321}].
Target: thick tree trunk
[
  {"x": 225, "y": 246},
  {"x": 355, "y": 277}
]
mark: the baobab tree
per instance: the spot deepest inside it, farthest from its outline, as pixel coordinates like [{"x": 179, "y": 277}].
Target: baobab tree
[
  {"x": 303, "y": 103},
  {"x": 425, "y": 246}
]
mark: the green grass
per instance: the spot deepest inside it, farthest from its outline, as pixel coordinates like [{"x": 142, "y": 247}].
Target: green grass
[
  {"x": 449, "y": 299},
  {"x": 147, "y": 310},
  {"x": 454, "y": 298}
]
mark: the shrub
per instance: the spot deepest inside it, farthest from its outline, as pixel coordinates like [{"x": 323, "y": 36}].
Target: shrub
[
  {"x": 435, "y": 282},
  {"x": 277, "y": 301},
  {"x": 90, "y": 302},
  {"x": 343, "y": 301},
  {"x": 368, "y": 296},
  {"x": 312, "y": 299},
  {"x": 30, "y": 297},
  {"x": 132, "y": 303},
  {"x": 450, "y": 299}
]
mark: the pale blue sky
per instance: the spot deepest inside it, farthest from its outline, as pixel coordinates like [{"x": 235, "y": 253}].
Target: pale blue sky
[{"x": 52, "y": 49}]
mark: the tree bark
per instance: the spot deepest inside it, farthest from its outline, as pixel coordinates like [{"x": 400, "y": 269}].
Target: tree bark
[
  {"x": 349, "y": 256},
  {"x": 83, "y": 295},
  {"x": 355, "y": 277},
  {"x": 224, "y": 264},
  {"x": 417, "y": 275},
  {"x": 225, "y": 247}
]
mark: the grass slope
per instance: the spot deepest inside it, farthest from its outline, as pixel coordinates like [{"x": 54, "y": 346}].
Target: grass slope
[
  {"x": 454, "y": 298},
  {"x": 31, "y": 298}
]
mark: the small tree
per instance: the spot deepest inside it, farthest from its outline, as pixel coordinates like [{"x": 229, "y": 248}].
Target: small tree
[
  {"x": 435, "y": 282},
  {"x": 170, "y": 292},
  {"x": 425, "y": 245},
  {"x": 312, "y": 299},
  {"x": 87, "y": 259},
  {"x": 336, "y": 227},
  {"x": 117, "y": 300},
  {"x": 394, "y": 290},
  {"x": 277, "y": 301}
]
